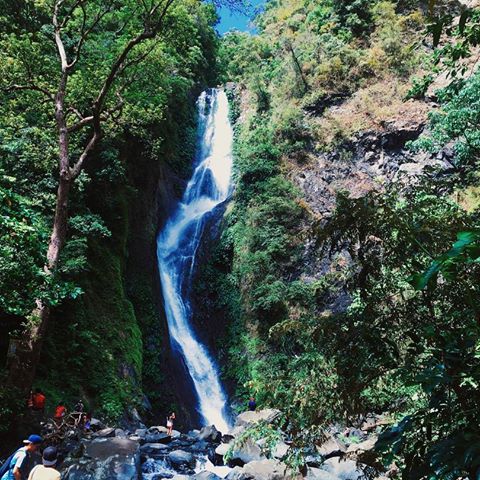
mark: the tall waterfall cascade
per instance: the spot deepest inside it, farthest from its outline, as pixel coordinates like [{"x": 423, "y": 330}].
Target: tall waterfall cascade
[{"x": 179, "y": 241}]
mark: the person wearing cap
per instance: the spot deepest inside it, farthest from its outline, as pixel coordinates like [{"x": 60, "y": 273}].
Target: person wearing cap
[
  {"x": 21, "y": 462},
  {"x": 47, "y": 470}
]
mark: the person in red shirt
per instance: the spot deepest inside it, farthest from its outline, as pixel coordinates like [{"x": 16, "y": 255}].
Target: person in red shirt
[
  {"x": 60, "y": 412},
  {"x": 39, "y": 400}
]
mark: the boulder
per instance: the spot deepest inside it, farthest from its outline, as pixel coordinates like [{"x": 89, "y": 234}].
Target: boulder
[
  {"x": 234, "y": 474},
  {"x": 247, "y": 452},
  {"x": 210, "y": 434},
  {"x": 96, "y": 425},
  {"x": 281, "y": 450},
  {"x": 200, "y": 446},
  {"x": 180, "y": 459},
  {"x": 157, "y": 438},
  {"x": 120, "y": 433},
  {"x": 205, "y": 475},
  {"x": 235, "y": 431},
  {"x": 227, "y": 438},
  {"x": 365, "y": 451},
  {"x": 153, "y": 448},
  {"x": 342, "y": 469},
  {"x": 141, "y": 432},
  {"x": 249, "y": 418},
  {"x": 318, "y": 474},
  {"x": 314, "y": 461},
  {"x": 222, "y": 449},
  {"x": 105, "y": 433},
  {"x": 332, "y": 447},
  {"x": 157, "y": 429},
  {"x": 105, "y": 459},
  {"x": 267, "y": 470}
]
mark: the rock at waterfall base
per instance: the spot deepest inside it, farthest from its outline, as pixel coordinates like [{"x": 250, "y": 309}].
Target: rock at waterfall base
[
  {"x": 247, "y": 419},
  {"x": 249, "y": 451},
  {"x": 181, "y": 459},
  {"x": 153, "y": 448},
  {"x": 105, "y": 459},
  {"x": 263, "y": 470},
  {"x": 210, "y": 434}
]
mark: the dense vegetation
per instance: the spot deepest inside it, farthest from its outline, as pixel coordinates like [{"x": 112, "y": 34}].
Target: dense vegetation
[
  {"x": 105, "y": 300},
  {"x": 404, "y": 338},
  {"x": 367, "y": 304}
]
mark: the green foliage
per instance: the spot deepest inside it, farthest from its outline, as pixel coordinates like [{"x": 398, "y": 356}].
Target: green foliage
[
  {"x": 270, "y": 434},
  {"x": 94, "y": 346},
  {"x": 458, "y": 121}
]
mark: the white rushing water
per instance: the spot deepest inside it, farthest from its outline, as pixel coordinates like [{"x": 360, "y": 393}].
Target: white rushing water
[{"x": 178, "y": 243}]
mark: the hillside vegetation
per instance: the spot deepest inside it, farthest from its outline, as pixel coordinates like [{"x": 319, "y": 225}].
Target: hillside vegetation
[{"x": 331, "y": 314}]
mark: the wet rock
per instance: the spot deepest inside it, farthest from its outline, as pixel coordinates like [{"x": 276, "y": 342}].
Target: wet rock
[
  {"x": 201, "y": 446},
  {"x": 314, "y": 461},
  {"x": 180, "y": 459},
  {"x": 157, "y": 429},
  {"x": 206, "y": 476},
  {"x": 120, "y": 433},
  {"x": 141, "y": 432},
  {"x": 222, "y": 449},
  {"x": 157, "y": 438},
  {"x": 96, "y": 425},
  {"x": 105, "y": 459},
  {"x": 153, "y": 448},
  {"x": 210, "y": 434},
  {"x": 234, "y": 474},
  {"x": 105, "y": 433}
]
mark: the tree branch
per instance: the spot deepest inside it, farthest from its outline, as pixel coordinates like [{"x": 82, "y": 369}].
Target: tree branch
[
  {"x": 85, "y": 32},
  {"x": 58, "y": 37},
  {"x": 77, "y": 167},
  {"x": 32, "y": 87},
  {"x": 80, "y": 124}
]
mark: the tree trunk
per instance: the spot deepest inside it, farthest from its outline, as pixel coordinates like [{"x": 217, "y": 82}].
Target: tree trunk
[{"x": 24, "y": 353}]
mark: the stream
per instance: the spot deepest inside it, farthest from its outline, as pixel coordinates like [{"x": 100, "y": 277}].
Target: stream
[{"x": 178, "y": 243}]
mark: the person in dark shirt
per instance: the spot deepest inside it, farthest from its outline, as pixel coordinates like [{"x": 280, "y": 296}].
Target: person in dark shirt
[{"x": 252, "y": 404}]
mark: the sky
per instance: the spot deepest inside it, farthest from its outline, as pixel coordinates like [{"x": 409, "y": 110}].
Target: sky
[{"x": 229, "y": 20}]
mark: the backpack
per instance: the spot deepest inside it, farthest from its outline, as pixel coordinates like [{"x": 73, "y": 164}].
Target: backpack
[{"x": 6, "y": 465}]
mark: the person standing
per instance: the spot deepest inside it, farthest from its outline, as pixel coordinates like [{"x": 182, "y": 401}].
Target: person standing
[
  {"x": 47, "y": 470},
  {"x": 39, "y": 401},
  {"x": 21, "y": 461},
  {"x": 79, "y": 407},
  {"x": 170, "y": 420},
  {"x": 60, "y": 412},
  {"x": 252, "y": 404}
]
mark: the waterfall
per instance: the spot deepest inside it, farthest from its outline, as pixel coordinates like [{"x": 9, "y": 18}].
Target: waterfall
[{"x": 178, "y": 243}]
